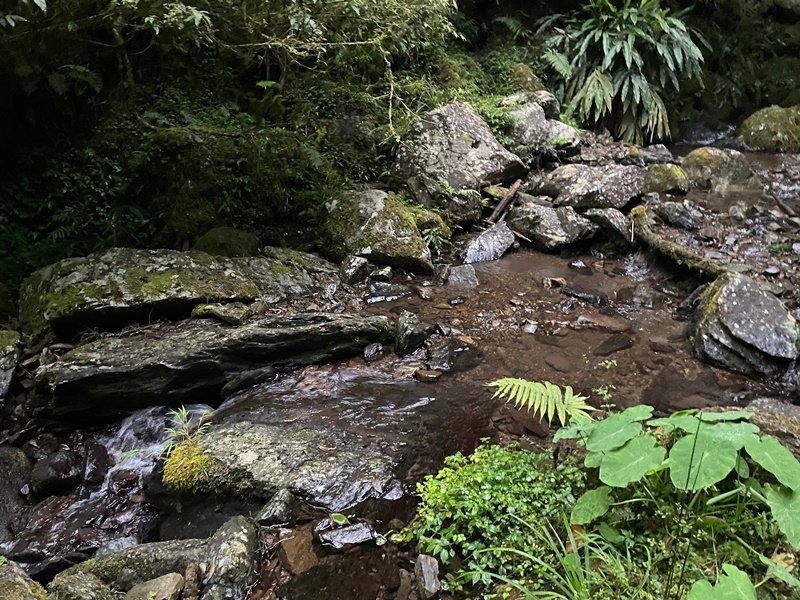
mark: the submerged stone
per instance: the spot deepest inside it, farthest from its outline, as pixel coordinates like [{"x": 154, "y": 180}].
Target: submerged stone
[{"x": 125, "y": 285}]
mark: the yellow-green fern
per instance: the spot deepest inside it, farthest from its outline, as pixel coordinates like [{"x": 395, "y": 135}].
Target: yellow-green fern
[{"x": 545, "y": 399}]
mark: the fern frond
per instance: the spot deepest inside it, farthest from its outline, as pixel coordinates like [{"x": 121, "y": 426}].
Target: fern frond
[{"x": 544, "y": 399}]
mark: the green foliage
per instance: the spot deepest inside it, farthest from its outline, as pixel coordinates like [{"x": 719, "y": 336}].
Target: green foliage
[
  {"x": 3, "y": 560},
  {"x": 482, "y": 501},
  {"x": 618, "y": 61},
  {"x": 733, "y": 585},
  {"x": 181, "y": 430},
  {"x": 543, "y": 398},
  {"x": 710, "y": 479}
]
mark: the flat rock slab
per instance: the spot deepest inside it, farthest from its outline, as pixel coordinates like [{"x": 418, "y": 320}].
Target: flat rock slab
[
  {"x": 192, "y": 360},
  {"x": 123, "y": 285},
  {"x": 583, "y": 186},
  {"x": 743, "y": 327}
]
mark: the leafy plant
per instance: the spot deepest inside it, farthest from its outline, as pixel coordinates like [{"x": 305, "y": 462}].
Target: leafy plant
[
  {"x": 619, "y": 60},
  {"x": 3, "y": 560},
  {"x": 482, "y": 501},
  {"x": 181, "y": 429},
  {"x": 543, "y": 398},
  {"x": 710, "y": 478}
]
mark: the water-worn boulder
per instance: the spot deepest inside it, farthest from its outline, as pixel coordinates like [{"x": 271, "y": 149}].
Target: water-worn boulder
[
  {"x": 379, "y": 227},
  {"x": 166, "y": 587},
  {"x": 744, "y": 328},
  {"x": 57, "y": 473},
  {"x": 9, "y": 353},
  {"x": 772, "y": 129},
  {"x": 189, "y": 362},
  {"x": 227, "y": 241},
  {"x": 447, "y": 155},
  {"x": 685, "y": 215},
  {"x": 584, "y": 186},
  {"x": 709, "y": 167},
  {"x": 666, "y": 178},
  {"x": 15, "y": 585},
  {"x": 411, "y": 333},
  {"x": 533, "y": 130},
  {"x": 80, "y": 586},
  {"x": 612, "y": 224},
  {"x": 124, "y": 285},
  {"x": 490, "y": 244},
  {"x": 547, "y": 227},
  {"x": 229, "y": 558}
]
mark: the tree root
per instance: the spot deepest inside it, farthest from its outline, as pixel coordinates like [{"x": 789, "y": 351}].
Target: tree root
[{"x": 675, "y": 252}]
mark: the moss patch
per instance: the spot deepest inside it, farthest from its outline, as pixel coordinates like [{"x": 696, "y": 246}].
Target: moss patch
[
  {"x": 773, "y": 129},
  {"x": 667, "y": 178},
  {"x": 189, "y": 470}
]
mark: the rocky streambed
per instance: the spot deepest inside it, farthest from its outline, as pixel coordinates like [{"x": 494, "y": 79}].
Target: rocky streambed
[{"x": 318, "y": 394}]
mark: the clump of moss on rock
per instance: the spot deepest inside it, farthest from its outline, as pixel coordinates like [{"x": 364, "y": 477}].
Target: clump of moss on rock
[{"x": 773, "y": 129}]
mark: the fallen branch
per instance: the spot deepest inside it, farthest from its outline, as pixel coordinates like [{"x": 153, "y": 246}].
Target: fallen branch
[
  {"x": 505, "y": 202},
  {"x": 674, "y": 251}
]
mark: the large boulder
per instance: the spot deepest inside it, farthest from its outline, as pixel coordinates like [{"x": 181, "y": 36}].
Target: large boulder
[
  {"x": 532, "y": 130},
  {"x": 380, "y": 228},
  {"x": 744, "y": 328},
  {"x": 584, "y": 186},
  {"x": 709, "y": 167},
  {"x": 772, "y": 129},
  {"x": 547, "y": 227},
  {"x": 229, "y": 559},
  {"x": 446, "y": 157},
  {"x": 16, "y": 585},
  {"x": 191, "y": 361},
  {"x": 666, "y": 178},
  {"x": 124, "y": 285},
  {"x": 9, "y": 353}
]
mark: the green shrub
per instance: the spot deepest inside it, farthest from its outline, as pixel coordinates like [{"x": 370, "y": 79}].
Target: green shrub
[
  {"x": 619, "y": 60},
  {"x": 483, "y": 501}
]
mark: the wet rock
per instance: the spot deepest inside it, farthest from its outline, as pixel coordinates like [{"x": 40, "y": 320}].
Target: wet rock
[
  {"x": 80, "y": 586},
  {"x": 95, "y": 465},
  {"x": 351, "y": 535},
  {"x": 490, "y": 244},
  {"x": 549, "y": 228},
  {"x": 446, "y": 156},
  {"x": 16, "y": 470},
  {"x": 463, "y": 276},
  {"x": 227, "y": 241},
  {"x": 709, "y": 167},
  {"x": 191, "y": 361},
  {"x": 354, "y": 269},
  {"x": 9, "y": 354},
  {"x": 411, "y": 333},
  {"x": 231, "y": 559},
  {"x": 125, "y": 285},
  {"x": 744, "y": 328},
  {"x": 281, "y": 510},
  {"x": 684, "y": 215},
  {"x": 379, "y": 227},
  {"x": 602, "y": 323},
  {"x": 590, "y": 296},
  {"x": 246, "y": 380},
  {"x": 614, "y": 343},
  {"x": 382, "y": 274},
  {"x": 373, "y": 352},
  {"x": 57, "y": 473},
  {"x": 427, "y": 375},
  {"x": 16, "y": 585},
  {"x": 612, "y": 224},
  {"x": 666, "y": 179},
  {"x": 441, "y": 272},
  {"x": 534, "y": 131},
  {"x": 655, "y": 154},
  {"x": 166, "y": 587},
  {"x": 453, "y": 355},
  {"x": 583, "y": 186},
  {"x": 426, "y": 571},
  {"x": 772, "y": 129},
  {"x": 380, "y": 291},
  {"x": 296, "y": 550}
]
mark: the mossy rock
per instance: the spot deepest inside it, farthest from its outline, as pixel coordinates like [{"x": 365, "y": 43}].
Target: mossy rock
[
  {"x": 80, "y": 586},
  {"x": 381, "y": 228},
  {"x": 707, "y": 165},
  {"x": 227, "y": 241},
  {"x": 772, "y": 129},
  {"x": 666, "y": 178},
  {"x": 189, "y": 470},
  {"x": 16, "y": 585}
]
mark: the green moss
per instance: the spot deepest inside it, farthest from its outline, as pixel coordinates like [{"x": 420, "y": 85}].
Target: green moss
[
  {"x": 227, "y": 241},
  {"x": 189, "y": 470},
  {"x": 667, "y": 178},
  {"x": 158, "y": 283},
  {"x": 773, "y": 129},
  {"x": 8, "y": 339},
  {"x": 427, "y": 219},
  {"x": 15, "y": 585}
]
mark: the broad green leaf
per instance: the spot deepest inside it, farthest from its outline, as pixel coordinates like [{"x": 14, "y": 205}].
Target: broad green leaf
[
  {"x": 612, "y": 433},
  {"x": 730, "y": 415},
  {"x": 631, "y": 462},
  {"x": 785, "y": 506},
  {"x": 593, "y": 460},
  {"x": 735, "y": 434},
  {"x": 775, "y": 458},
  {"x": 610, "y": 534},
  {"x": 697, "y": 462},
  {"x": 591, "y": 505},
  {"x": 640, "y": 412},
  {"x": 733, "y": 585},
  {"x": 579, "y": 427}
]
